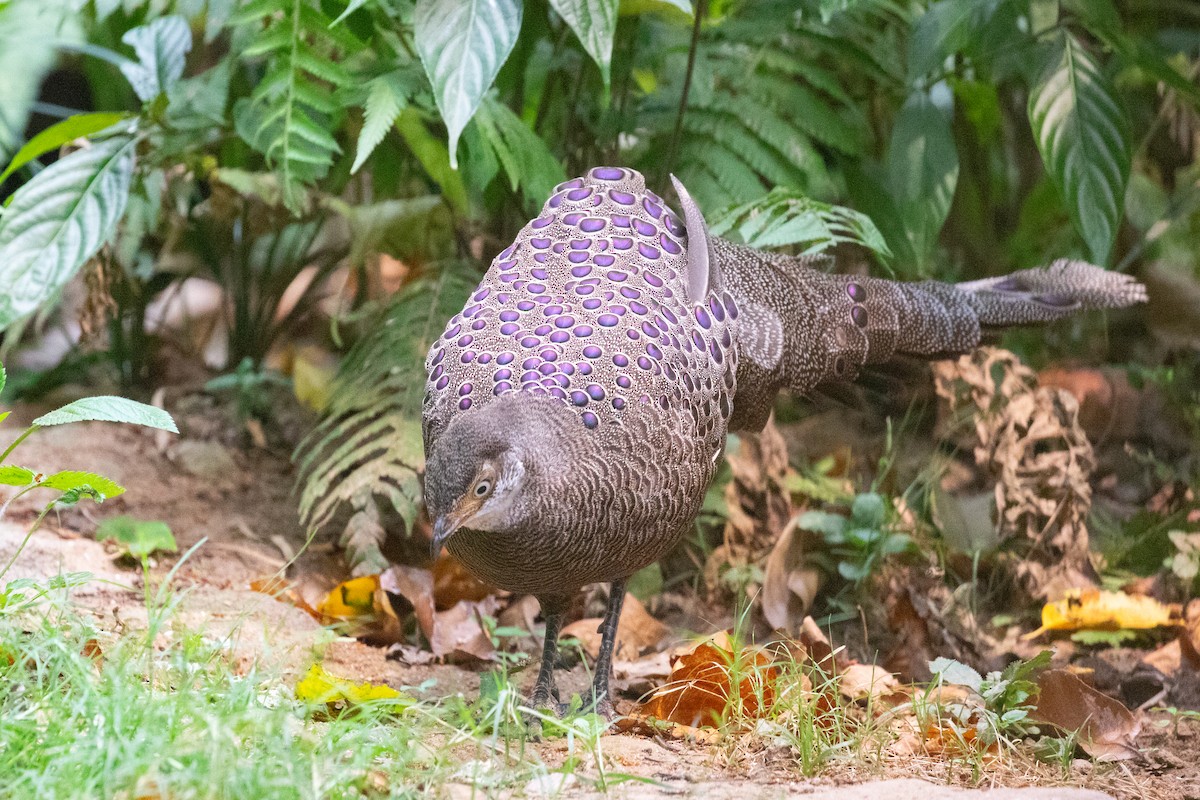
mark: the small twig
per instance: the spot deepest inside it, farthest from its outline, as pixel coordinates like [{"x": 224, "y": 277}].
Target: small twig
[{"x": 687, "y": 84}]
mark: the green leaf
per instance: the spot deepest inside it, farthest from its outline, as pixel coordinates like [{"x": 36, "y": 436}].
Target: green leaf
[
  {"x": 3, "y": 378},
  {"x": 947, "y": 27},
  {"x": 922, "y": 167},
  {"x": 787, "y": 217},
  {"x": 58, "y": 134},
  {"x": 1082, "y": 134},
  {"x": 434, "y": 158},
  {"x": 594, "y": 22},
  {"x": 109, "y": 409},
  {"x": 868, "y": 510},
  {"x": 75, "y": 482},
  {"x": 29, "y": 35},
  {"x": 58, "y": 220},
  {"x": 463, "y": 44},
  {"x": 16, "y": 476},
  {"x": 161, "y": 47},
  {"x": 956, "y": 673},
  {"x": 387, "y": 96},
  {"x": 527, "y": 160},
  {"x": 822, "y": 522},
  {"x": 140, "y": 538}
]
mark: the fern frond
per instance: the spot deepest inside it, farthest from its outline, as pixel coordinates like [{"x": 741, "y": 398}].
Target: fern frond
[{"x": 785, "y": 217}]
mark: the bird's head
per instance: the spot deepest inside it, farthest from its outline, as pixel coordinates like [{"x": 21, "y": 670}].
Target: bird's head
[{"x": 481, "y": 469}]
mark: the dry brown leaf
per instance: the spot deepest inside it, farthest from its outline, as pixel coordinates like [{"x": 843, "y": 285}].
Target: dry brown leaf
[
  {"x": 701, "y": 687},
  {"x": 637, "y": 632},
  {"x": 644, "y": 725},
  {"x": 867, "y": 682},
  {"x": 452, "y": 583},
  {"x": 789, "y": 584},
  {"x": 1093, "y": 609},
  {"x": 458, "y": 632},
  {"x": 1189, "y": 637},
  {"x": 285, "y": 592},
  {"x": 1106, "y": 728},
  {"x": 521, "y": 613},
  {"x": 415, "y": 586}
]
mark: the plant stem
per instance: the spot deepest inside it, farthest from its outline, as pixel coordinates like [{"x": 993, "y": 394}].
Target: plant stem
[
  {"x": 17, "y": 441},
  {"x": 687, "y": 86}
]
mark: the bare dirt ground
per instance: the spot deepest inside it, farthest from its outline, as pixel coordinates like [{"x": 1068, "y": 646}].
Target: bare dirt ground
[{"x": 239, "y": 503}]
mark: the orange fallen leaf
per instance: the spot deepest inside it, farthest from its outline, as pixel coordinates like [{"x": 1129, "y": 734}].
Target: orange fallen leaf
[
  {"x": 1106, "y": 728},
  {"x": 285, "y": 592},
  {"x": 1093, "y": 609},
  {"x": 637, "y": 633},
  {"x": 363, "y": 607}
]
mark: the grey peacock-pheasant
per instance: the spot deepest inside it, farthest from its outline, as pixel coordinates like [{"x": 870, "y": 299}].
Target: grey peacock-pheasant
[{"x": 576, "y": 409}]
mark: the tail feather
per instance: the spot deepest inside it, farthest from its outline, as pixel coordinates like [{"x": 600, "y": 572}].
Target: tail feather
[{"x": 1046, "y": 294}]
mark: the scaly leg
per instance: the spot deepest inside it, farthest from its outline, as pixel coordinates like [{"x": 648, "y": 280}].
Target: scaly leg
[
  {"x": 545, "y": 688},
  {"x": 601, "y": 701}
]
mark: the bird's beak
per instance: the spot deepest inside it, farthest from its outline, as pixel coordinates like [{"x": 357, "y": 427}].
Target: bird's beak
[{"x": 443, "y": 528}]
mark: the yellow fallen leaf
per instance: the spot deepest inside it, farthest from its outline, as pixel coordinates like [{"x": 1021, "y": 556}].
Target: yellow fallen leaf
[
  {"x": 313, "y": 371},
  {"x": 1092, "y": 609},
  {"x": 321, "y": 686},
  {"x": 350, "y": 599}
]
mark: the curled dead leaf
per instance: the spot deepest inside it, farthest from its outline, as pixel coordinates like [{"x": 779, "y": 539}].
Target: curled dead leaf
[
  {"x": 1106, "y": 728},
  {"x": 457, "y": 632},
  {"x": 284, "y": 591},
  {"x": 452, "y": 583},
  {"x": 637, "y": 633},
  {"x": 789, "y": 584},
  {"x": 867, "y": 683}
]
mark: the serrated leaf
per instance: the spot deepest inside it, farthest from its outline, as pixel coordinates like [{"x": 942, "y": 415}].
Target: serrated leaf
[
  {"x": 922, "y": 169},
  {"x": 524, "y": 155},
  {"x": 1082, "y": 134},
  {"x": 75, "y": 481},
  {"x": 956, "y": 673},
  {"x": 594, "y": 22},
  {"x": 387, "y": 96},
  {"x": 463, "y": 44},
  {"x": 58, "y": 134},
  {"x": 16, "y": 476},
  {"x": 161, "y": 46},
  {"x": 109, "y": 409},
  {"x": 58, "y": 220}
]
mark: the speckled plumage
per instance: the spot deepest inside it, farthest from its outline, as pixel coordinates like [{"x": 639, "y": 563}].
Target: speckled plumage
[{"x": 576, "y": 408}]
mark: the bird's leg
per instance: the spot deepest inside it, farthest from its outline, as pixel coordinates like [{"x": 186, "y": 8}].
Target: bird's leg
[
  {"x": 601, "y": 701},
  {"x": 545, "y": 688}
]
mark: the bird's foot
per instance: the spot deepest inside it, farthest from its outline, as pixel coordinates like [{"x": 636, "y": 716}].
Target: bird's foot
[
  {"x": 604, "y": 708},
  {"x": 541, "y": 705}
]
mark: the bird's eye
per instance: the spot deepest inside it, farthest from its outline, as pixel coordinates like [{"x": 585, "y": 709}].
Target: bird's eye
[{"x": 482, "y": 488}]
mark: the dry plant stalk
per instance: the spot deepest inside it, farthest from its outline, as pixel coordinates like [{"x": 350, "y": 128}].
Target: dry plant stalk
[{"x": 1030, "y": 443}]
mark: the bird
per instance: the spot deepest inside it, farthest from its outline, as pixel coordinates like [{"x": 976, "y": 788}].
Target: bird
[{"x": 576, "y": 409}]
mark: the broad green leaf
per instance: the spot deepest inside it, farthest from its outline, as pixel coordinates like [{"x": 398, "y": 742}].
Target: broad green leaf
[
  {"x": 140, "y": 538},
  {"x": 822, "y": 522},
  {"x": 109, "y": 409},
  {"x": 16, "y": 476},
  {"x": 434, "y": 158},
  {"x": 351, "y": 7},
  {"x": 387, "y": 96},
  {"x": 161, "y": 47},
  {"x": 594, "y": 22},
  {"x": 58, "y": 134},
  {"x": 868, "y": 509},
  {"x": 58, "y": 220},
  {"x": 956, "y": 673},
  {"x": 947, "y": 27},
  {"x": 922, "y": 168},
  {"x": 28, "y": 34},
  {"x": 463, "y": 44},
  {"x": 1083, "y": 136},
  {"x": 101, "y": 488}
]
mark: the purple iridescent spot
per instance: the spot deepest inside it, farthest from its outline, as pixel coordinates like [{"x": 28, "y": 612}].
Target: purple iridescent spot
[
  {"x": 581, "y": 244},
  {"x": 590, "y": 420},
  {"x": 547, "y": 369},
  {"x": 518, "y": 285},
  {"x": 604, "y": 260},
  {"x": 509, "y": 316},
  {"x": 619, "y": 220},
  {"x": 442, "y": 382},
  {"x": 583, "y": 271},
  {"x": 558, "y": 337},
  {"x": 617, "y": 276},
  {"x": 592, "y": 351},
  {"x": 562, "y": 380},
  {"x": 465, "y": 340},
  {"x": 578, "y": 194},
  {"x": 608, "y": 173},
  {"x": 674, "y": 225},
  {"x": 859, "y": 315},
  {"x": 726, "y": 341},
  {"x": 717, "y": 354},
  {"x": 502, "y": 375},
  {"x": 621, "y": 360},
  {"x": 530, "y": 363},
  {"x": 507, "y": 253},
  {"x": 525, "y": 305},
  {"x": 541, "y": 243},
  {"x": 584, "y": 368},
  {"x": 703, "y": 318},
  {"x": 465, "y": 403},
  {"x": 618, "y": 403},
  {"x": 551, "y": 310},
  {"x": 539, "y": 258},
  {"x": 536, "y": 288},
  {"x": 644, "y": 362},
  {"x": 439, "y": 355},
  {"x": 467, "y": 357},
  {"x": 577, "y": 256},
  {"x": 465, "y": 389},
  {"x": 718, "y": 310},
  {"x": 484, "y": 358},
  {"x": 450, "y": 334},
  {"x": 501, "y": 388},
  {"x": 526, "y": 377},
  {"x": 574, "y": 183},
  {"x": 437, "y": 372},
  {"x": 698, "y": 339},
  {"x": 584, "y": 289},
  {"x": 530, "y": 341},
  {"x": 583, "y": 330},
  {"x": 637, "y": 308},
  {"x": 670, "y": 315},
  {"x": 624, "y": 198},
  {"x": 624, "y": 382},
  {"x": 595, "y": 391},
  {"x": 503, "y": 265},
  {"x": 509, "y": 328},
  {"x": 621, "y": 243},
  {"x": 572, "y": 218},
  {"x": 541, "y": 222},
  {"x": 648, "y": 251},
  {"x": 592, "y": 224},
  {"x": 669, "y": 245},
  {"x": 559, "y": 393},
  {"x": 857, "y": 293},
  {"x": 564, "y": 321},
  {"x": 505, "y": 358},
  {"x": 629, "y": 291},
  {"x": 542, "y": 330},
  {"x": 539, "y": 273},
  {"x": 471, "y": 311},
  {"x": 567, "y": 368},
  {"x": 730, "y": 305},
  {"x": 509, "y": 277},
  {"x": 542, "y": 298},
  {"x": 649, "y": 329},
  {"x": 619, "y": 310},
  {"x": 591, "y": 303},
  {"x": 608, "y": 320},
  {"x": 555, "y": 201},
  {"x": 654, "y": 209},
  {"x": 481, "y": 294},
  {"x": 653, "y": 279},
  {"x": 644, "y": 228},
  {"x": 579, "y": 398},
  {"x": 559, "y": 247},
  {"x": 653, "y": 351},
  {"x": 479, "y": 324}
]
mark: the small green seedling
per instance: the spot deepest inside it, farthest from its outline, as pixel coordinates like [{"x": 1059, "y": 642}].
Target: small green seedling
[
  {"x": 139, "y": 539},
  {"x": 71, "y": 486},
  {"x": 858, "y": 543}
]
